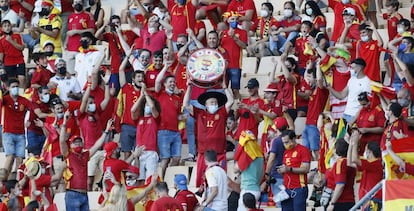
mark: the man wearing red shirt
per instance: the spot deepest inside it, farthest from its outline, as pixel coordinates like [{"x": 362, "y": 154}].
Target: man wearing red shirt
[
  {"x": 153, "y": 70},
  {"x": 186, "y": 198},
  {"x": 41, "y": 76},
  {"x": 370, "y": 121},
  {"x": 169, "y": 139},
  {"x": 369, "y": 50},
  {"x": 25, "y": 6},
  {"x": 350, "y": 31},
  {"x": 11, "y": 53},
  {"x": 248, "y": 109},
  {"x": 14, "y": 110},
  {"x": 77, "y": 158},
  {"x": 296, "y": 164},
  {"x": 392, "y": 17},
  {"x": 234, "y": 40},
  {"x": 369, "y": 166},
  {"x": 165, "y": 202},
  {"x": 344, "y": 176},
  {"x": 397, "y": 127},
  {"x": 211, "y": 125},
  {"x": 247, "y": 11},
  {"x": 79, "y": 22},
  {"x": 128, "y": 95},
  {"x": 182, "y": 16}
]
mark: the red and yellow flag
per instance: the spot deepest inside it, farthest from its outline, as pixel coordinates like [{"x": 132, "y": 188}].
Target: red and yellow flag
[
  {"x": 248, "y": 150},
  {"x": 399, "y": 195},
  {"x": 404, "y": 148}
]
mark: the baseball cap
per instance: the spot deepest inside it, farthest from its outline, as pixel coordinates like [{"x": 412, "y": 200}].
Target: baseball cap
[
  {"x": 252, "y": 83},
  {"x": 272, "y": 87},
  {"x": 48, "y": 42},
  {"x": 181, "y": 181},
  {"x": 75, "y": 137},
  {"x": 349, "y": 11},
  {"x": 280, "y": 123},
  {"x": 110, "y": 147}
]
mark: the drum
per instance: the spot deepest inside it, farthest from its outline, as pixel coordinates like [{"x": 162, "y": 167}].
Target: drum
[{"x": 205, "y": 67}]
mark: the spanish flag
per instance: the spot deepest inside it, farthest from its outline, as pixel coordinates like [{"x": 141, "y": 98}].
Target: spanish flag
[
  {"x": 146, "y": 203},
  {"x": 398, "y": 194},
  {"x": 386, "y": 91},
  {"x": 248, "y": 150},
  {"x": 404, "y": 148},
  {"x": 340, "y": 134}
]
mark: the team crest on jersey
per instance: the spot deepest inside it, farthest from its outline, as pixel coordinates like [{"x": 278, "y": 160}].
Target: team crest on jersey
[
  {"x": 141, "y": 122},
  {"x": 372, "y": 47},
  {"x": 216, "y": 117},
  {"x": 371, "y": 118},
  {"x": 295, "y": 154}
]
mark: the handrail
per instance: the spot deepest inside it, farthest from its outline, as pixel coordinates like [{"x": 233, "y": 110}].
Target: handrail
[{"x": 368, "y": 196}]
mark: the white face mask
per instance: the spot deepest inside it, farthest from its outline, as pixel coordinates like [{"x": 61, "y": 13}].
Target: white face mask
[
  {"x": 60, "y": 115},
  {"x": 288, "y": 13},
  {"x": 14, "y": 91},
  {"x": 17, "y": 192},
  {"x": 353, "y": 72},
  {"x": 92, "y": 107},
  {"x": 147, "y": 110},
  {"x": 212, "y": 109},
  {"x": 45, "y": 98},
  {"x": 400, "y": 30},
  {"x": 309, "y": 11},
  {"x": 364, "y": 38},
  {"x": 169, "y": 91},
  {"x": 152, "y": 30},
  {"x": 365, "y": 155},
  {"x": 264, "y": 13},
  {"x": 345, "y": 1},
  {"x": 130, "y": 182}
]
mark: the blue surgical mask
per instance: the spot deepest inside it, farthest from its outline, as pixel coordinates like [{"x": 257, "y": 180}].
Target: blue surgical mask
[
  {"x": 212, "y": 109},
  {"x": 233, "y": 24},
  {"x": 402, "y": 47},
  {"x": 147, "y": 110},
  {"x": 403, "y": 102},
  {"x": 4, "y": 8},
  {"x": 92, "y": 107},
  {"x": 14, "y": 91},
  {"x": 45, "y": 98},
  {"x": 182, "y": 2}
]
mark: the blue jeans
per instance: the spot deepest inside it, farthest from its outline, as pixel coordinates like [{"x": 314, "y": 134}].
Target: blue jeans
[
  {"x": 35, "y": 142},
  {"x": 76, "y": 201},
  {"x": 14, "y": 144},
  {"x": 277, "y": 45},
  {"x": 234, "y": 76},
  {"x": 347, "y": 117},
  {"x": 29, "y": 41},
  {"x": 189, "y": 126},
  {"x": 276, "y": 189},
  {"x": 169, "y": 144},
  {"x": 128, "y": 137},
  {"x": 311, "y": 137},
  {"x": 291, "y": 36},
  {"x": 297, "y": 200}
]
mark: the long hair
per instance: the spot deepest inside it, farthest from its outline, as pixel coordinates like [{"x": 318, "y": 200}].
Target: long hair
[{"x": 117, "y": 200}]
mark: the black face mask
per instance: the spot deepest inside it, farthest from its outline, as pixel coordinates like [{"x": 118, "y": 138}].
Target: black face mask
[
  {"x": 85, "y": 44},
  {"x": 138, "y": 87},
  {"x": 61, "y": 70},
  {"x": 49, "y": 53},
  {"x": 44, "y": 12},
  {"x": 44, "y": 66},
  {"x": 179, "y": 46},
  {"x": 7, "y": 33},
  {"x": 78, "y": 7},
  {"x": 92, "y": 2}
]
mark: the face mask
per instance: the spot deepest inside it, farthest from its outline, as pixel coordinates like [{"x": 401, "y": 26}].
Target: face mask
[
  {"x": 146, "y": 8},
  {"x": 117, "y": 154},
  {"x": 60, "y": 115},
  {"x": 179, "y": 46},
  {"x": 147, "y": 110},
  {"x": 4, "y": 8},
  {"x": 130, "y": 182},
  {"x": 287, "y": 13},
  {"x": 44, "y": 12},
  {"x": 403, "y": 102},
  {"x": 8, "y": 33},
  {"x": 78, "y": 7},
  {"x": 85, "y": 44},
  {"x": 78, "y": 149},
  {"x": 152, "y": 30},
  {"x": 91, "y": 2},
  {"x": 182, "y": 2},
  {"x": 49, "y": 53},
  {"x": 364, "y": 38},
  {"x": 92, "y": 107},
  {"x": 402, "y": 47},
  {"x": 263, "y": 13},
  {"x": 14, "y": 91},
  {"x": 44, "y": 66},
  {"x": 62, "y": 70},
  {"x": 136, "y": 54},
  {"x": 212, "y": 109},
  {"x": 345, "y": 1},
  {"x": 309, "y": 11},
  {"x": 17, "y": 192},
  {"x": 353, "y": 72},
  {"x": 400, "y": 30},
  {"x": 233, "y": 24},
  {"x": 365, "y": 155},
  {"x": 169, "y": 91},
  {"x": 45, "y": 98},
  {"x": 137, "y": 86}
]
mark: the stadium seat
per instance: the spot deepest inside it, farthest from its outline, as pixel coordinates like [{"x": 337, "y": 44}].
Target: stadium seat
[
  {"x": 93, "y": 200},
  {"x": 209, "y": 26},
  {"x": 266, "y": 65},
  {"x": 172, "y": 171},
  {"x": 249, "y": 65},
  {"x": 108, "y": 12},
  {"x": 184, "y": 150},
  {"x": 299, "y": 125},
  {"x": 193, "y": 176},
  {"x": 3, "y": 158}
]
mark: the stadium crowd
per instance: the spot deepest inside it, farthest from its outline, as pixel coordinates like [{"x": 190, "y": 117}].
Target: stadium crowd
[{"x": 110, "y": 102}]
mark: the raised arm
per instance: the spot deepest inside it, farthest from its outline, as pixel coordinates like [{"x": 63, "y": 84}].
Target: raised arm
[
  {"x": 187, "y": 96},
  {"x": 160, "y": 77},
  {"x": 98, "y": 144},
  {"x": 63, "y": 136},
  {"x": 135, "y": 199},
  {"x": 135, "y": 114},
  {"x": 352, "y": 158},
  {"x": 107, "y": 97},
  {"x": 84, "y": 103},
  {"x": 288, "y": 75}
]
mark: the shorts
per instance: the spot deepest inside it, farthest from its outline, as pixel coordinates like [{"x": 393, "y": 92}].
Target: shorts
[
  {"x": 14, "y": 144},
  {"x": 169, "y": 143},
  {"x": 114, "y": 81},
  {"x": 292, "y": 113},
  {"x": 311, "y": 137},
  {"x": 35, "y": 142},
  {"x": 148, "y": 163},
  {"x": 302, "y": 108},
  {"x": 96, "y": 161},
  {"x": 128, "y": 137},
  {"x": 234, "y": 76},
  {"x": 15, "y": 70}
]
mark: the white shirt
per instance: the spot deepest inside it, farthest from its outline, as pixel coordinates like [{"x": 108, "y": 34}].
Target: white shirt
[
  {"x": 84, "y": 64},
  {"x": 65, "y": 85},
  {"x": 11, "y": 16},
  {"x": 355, "y": 87},
  {"x": 216, "y": 177}
]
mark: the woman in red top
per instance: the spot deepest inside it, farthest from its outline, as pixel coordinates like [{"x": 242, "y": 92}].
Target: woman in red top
[{"x": 319, "y": 21}]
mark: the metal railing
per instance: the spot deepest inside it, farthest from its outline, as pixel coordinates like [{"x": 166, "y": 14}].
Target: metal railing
[{"x": 368, "y": 196}]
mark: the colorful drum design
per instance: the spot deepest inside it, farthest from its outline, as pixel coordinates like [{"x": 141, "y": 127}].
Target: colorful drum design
[{"x": 205, "y": 67}]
